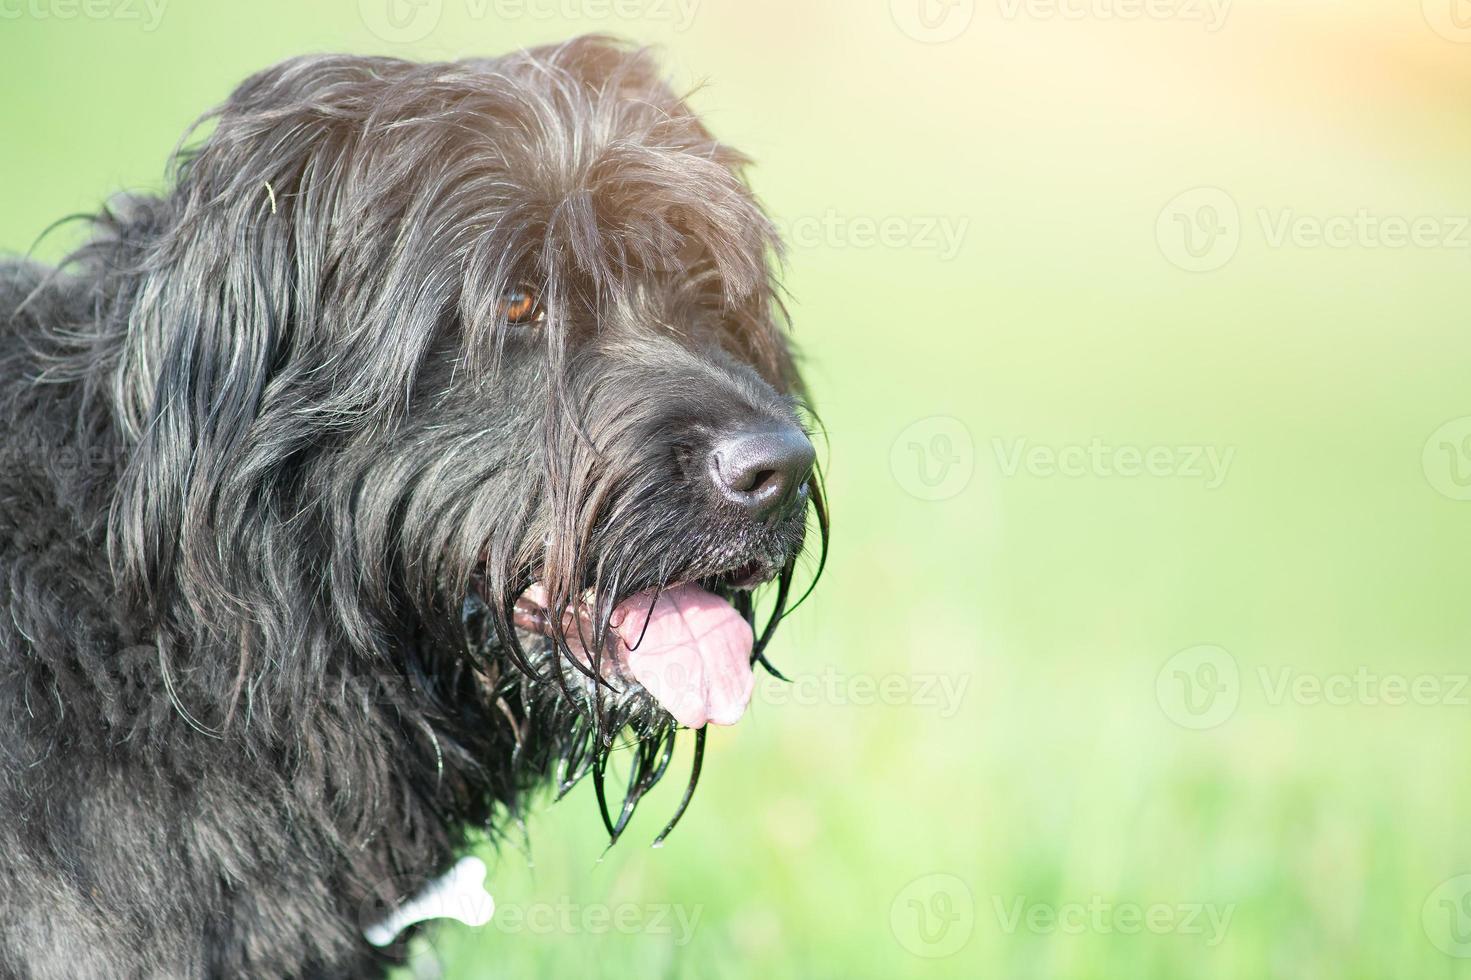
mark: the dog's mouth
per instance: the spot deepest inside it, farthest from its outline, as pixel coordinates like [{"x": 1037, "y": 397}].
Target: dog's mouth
[{"x": 686, "y": 645}]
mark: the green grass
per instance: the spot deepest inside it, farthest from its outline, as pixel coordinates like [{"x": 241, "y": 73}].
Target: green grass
[{"x": 1049, "y": 604}]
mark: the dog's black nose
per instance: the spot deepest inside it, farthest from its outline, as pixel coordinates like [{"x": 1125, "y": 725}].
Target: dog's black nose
[{"x": 762, "y": 469}]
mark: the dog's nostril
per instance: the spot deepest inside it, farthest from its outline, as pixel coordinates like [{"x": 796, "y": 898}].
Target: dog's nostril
[
  {"x": 761, "y": 470},
  {"x": 758, "y": 480}
]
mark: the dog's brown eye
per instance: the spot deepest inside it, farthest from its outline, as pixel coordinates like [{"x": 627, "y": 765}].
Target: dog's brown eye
[{"x": 520, "y": 305}]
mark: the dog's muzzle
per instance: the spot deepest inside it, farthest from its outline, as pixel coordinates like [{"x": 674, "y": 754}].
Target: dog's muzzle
[{"x": 685, "y": 645}]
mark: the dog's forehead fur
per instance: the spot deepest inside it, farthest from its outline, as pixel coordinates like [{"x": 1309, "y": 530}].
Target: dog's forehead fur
[{"x": 576, "y": 168}]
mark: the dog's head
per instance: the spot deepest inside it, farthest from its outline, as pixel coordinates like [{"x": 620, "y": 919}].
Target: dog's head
[{"x": 482, "y": 357}]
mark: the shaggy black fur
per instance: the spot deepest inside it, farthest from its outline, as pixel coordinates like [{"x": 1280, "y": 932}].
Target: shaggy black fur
[{"x": 280, "y": 454}]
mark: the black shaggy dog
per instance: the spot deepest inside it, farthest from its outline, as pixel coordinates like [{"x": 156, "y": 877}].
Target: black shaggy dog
[{"x": 423, "y": 443}]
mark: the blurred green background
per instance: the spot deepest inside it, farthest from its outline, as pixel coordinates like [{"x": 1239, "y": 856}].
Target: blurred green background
[{"x": 1139, "y": 332}]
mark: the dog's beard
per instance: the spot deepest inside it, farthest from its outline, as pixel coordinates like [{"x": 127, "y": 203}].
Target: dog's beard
[{"x": 606, "y": 669}]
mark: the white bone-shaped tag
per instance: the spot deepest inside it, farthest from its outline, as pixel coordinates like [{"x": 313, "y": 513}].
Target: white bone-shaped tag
[{"x": 458, "y": 894}]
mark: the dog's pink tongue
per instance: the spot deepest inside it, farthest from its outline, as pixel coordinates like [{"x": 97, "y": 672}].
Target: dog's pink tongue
[{"x": 694, "y": 656}]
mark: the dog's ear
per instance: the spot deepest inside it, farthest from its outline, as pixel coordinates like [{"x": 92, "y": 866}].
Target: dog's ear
[{"x": 228, "y": 284}]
